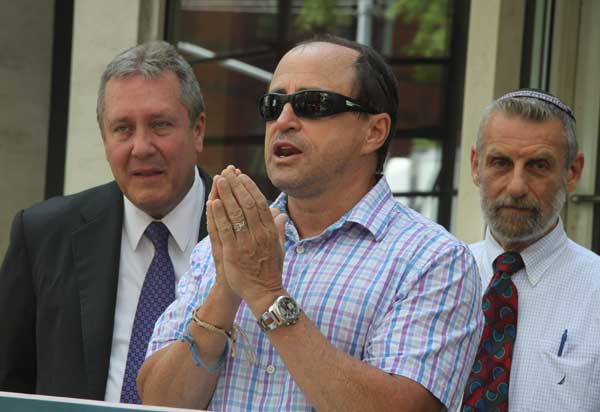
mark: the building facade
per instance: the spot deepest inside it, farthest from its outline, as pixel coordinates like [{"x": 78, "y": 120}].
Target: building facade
[{"x": 451, "y": 57}]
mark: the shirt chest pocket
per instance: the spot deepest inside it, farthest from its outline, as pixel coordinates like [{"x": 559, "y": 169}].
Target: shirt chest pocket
[{"x": 570, "y": 379}]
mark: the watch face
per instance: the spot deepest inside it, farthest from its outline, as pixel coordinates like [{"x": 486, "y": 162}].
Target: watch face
[{"x": 288, "y": 309}]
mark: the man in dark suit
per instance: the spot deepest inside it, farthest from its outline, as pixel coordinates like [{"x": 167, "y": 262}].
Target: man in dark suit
[{"x": 76, "y": 265}]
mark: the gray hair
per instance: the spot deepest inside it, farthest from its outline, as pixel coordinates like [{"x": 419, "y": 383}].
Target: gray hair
[
  {"x": 151, "y": 60},
  {"x": 534, "y": 110}
]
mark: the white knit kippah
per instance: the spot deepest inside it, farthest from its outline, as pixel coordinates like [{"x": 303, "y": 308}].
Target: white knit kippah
[{"x": 540, "y": 95}]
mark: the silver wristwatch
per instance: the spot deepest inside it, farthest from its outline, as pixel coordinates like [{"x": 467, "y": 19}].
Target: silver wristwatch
[{"x": 283, "y": 312}]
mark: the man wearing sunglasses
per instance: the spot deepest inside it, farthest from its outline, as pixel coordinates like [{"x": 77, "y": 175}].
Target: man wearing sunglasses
[{"x": 340, "y": 299}]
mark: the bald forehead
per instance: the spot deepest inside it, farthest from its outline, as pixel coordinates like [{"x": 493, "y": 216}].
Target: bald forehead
[
  {"x": 316, "y": 65},
  {"x": 335, "y": 52}
]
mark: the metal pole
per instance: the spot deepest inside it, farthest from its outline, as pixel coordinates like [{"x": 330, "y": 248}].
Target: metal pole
[{"x": 363, "y": 30}]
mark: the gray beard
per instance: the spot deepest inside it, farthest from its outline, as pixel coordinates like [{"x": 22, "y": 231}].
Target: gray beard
[{"x": 521, "y": 229}]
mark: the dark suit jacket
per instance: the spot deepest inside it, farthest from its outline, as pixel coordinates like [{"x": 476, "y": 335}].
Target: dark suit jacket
[{"x": 58, "y": 287}]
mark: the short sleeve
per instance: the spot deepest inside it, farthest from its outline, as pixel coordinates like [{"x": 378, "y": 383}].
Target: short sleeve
[{"x": 431, "y": 332}]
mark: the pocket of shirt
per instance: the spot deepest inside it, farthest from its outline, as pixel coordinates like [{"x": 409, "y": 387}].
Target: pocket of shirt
[{"x": 569, "y": 378}]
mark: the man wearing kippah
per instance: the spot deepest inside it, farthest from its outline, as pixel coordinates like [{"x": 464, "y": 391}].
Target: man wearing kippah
[{"x": 539, "y": 350}]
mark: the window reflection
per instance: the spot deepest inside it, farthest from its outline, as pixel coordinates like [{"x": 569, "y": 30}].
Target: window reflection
[
  {"x": 414, "y": 36},
  {"x": 413, "y": 167}
]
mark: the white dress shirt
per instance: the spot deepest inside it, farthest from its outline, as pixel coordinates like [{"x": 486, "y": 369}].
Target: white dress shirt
[
  {"x": 559, "y": 289},
  {"x": 137, "y": 252}
]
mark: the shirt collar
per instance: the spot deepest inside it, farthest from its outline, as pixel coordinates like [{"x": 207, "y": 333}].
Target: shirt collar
[
  {"x": 374, "y": 209},
  {"x": 371, "y": 212},
  {"x": 177, "y": 220},
  {"x": 538, "y": 257}
]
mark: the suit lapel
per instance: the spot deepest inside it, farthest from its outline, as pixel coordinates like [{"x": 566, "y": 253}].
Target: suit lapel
[
  {"x": 207, "y": 180},
  {"x": 96, "y": 251}
]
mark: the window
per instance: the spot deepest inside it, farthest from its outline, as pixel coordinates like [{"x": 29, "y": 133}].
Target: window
[{"x": 235, "y": 45}]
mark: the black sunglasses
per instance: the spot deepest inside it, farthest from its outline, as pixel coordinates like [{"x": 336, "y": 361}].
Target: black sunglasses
[{"x": 310, "y": 104}]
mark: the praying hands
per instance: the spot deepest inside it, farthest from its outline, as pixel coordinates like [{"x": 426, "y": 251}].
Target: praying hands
[{"x": 245, "y": 236}]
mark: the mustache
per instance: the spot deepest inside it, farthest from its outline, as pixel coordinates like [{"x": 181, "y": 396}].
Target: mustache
[{"x": 523, "y": 203}]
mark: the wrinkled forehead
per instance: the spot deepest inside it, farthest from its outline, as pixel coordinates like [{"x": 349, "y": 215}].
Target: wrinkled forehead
[
  {"x": 316, "y": 66},
  {"x": 514, "y": 135}
]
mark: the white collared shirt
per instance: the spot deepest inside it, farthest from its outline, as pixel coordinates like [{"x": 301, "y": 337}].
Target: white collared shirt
[
  {"x": 137, "y": 252},
  {"x": 559, "y": 289}
]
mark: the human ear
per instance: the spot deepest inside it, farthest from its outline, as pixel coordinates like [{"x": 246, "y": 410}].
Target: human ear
[
  {"x": 198, "y": 132},
  {"x": 475, "y": 166},
  {"x": 377, "y": 133},
  {"x": 574, "y": 172}
]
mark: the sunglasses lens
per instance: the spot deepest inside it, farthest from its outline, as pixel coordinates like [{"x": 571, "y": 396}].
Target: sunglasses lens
[
  {"x": 312, "y": 104},
  {"x": 270, "y": 106},
  {"x": 309, "y": 104}
]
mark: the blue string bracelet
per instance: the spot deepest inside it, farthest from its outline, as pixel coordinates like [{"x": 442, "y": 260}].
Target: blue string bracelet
[{"x": 186, "y": 337}]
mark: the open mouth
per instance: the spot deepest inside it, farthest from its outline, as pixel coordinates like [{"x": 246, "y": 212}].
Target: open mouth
[{"x": 283, "y": 150}]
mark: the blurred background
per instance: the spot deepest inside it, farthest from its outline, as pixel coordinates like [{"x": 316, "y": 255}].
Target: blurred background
[{"x": 451, "y": 58}]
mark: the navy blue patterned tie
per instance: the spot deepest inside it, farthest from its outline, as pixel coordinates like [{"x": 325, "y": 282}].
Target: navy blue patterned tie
[{"x": 157, "y": 293}]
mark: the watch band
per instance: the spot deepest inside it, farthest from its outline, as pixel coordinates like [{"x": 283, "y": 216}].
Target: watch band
[
  {"x": 268, "y": 321},
  {"x": 283, "y": 312}
]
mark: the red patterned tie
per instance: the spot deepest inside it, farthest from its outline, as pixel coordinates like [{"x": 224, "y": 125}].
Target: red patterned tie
[{"x": 487, "y": 387}]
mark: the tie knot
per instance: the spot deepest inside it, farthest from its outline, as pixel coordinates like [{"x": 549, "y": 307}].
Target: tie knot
[
  {"x": 509, "y": 262},
  {"x": 158, "y": 234}
]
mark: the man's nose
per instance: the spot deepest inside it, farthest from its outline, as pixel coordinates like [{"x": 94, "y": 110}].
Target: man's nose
[
  {"x": 517, "y": 186},
  {"x": 287, "y": 118},
  {"x": 143, "y": 144}
]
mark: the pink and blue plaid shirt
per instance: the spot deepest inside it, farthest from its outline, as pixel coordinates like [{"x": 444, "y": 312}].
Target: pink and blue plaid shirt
[{"x": 383, "y": 284}]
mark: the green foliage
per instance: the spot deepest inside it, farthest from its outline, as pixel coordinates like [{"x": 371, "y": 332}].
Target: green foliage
[
  {"x": 427, "y": 74},
  {"x": 421, "y": 144},
  {"x": 430, "y": 17},
  {"x": 316, "y": 16},
  {"x": 432, "y": 21}
]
